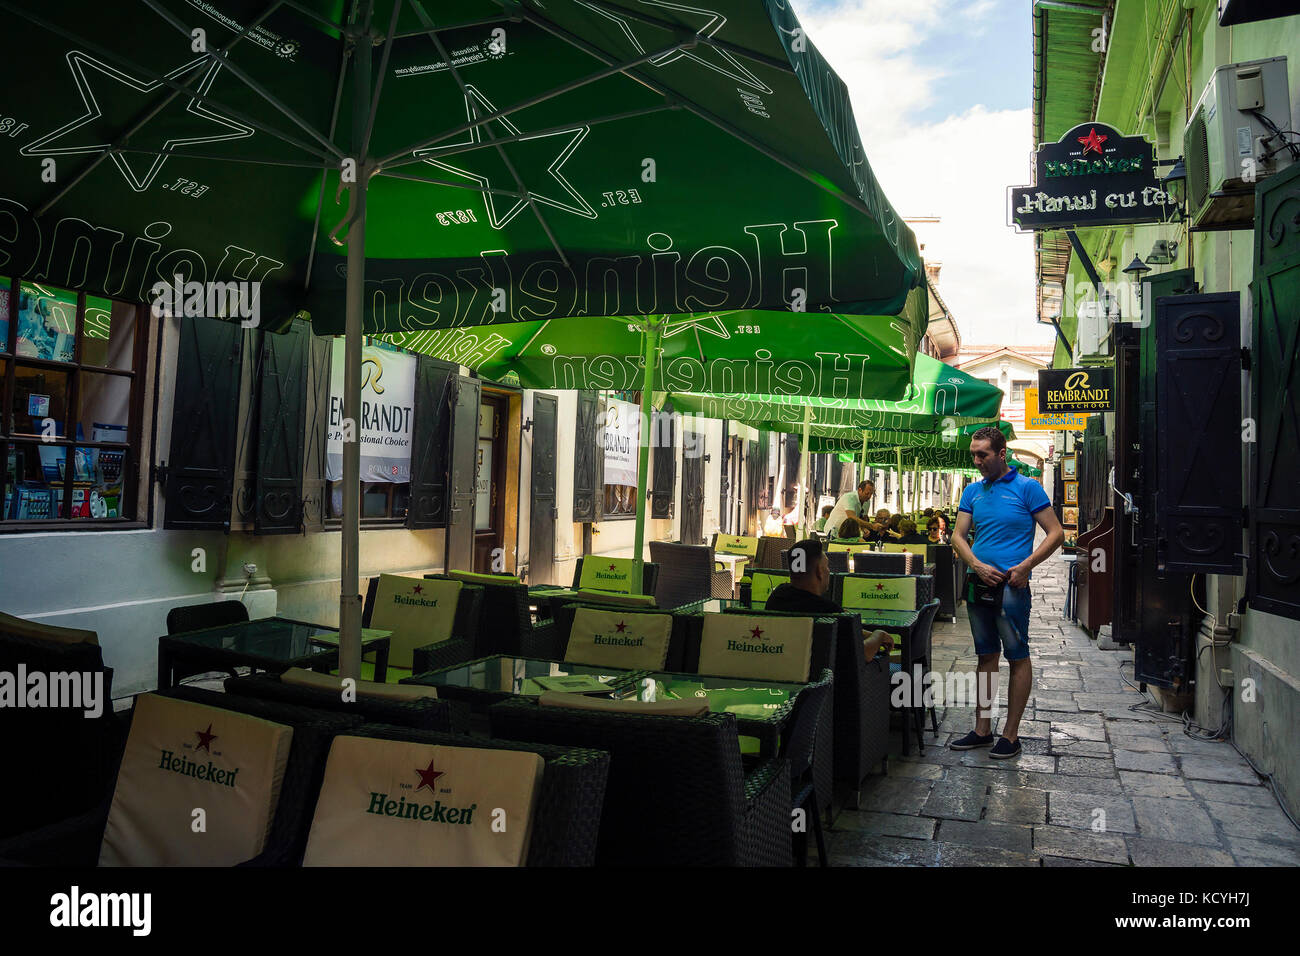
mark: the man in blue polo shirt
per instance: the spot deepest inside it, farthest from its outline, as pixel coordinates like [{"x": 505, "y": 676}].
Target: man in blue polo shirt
[{"x": 1004, "y": 508}]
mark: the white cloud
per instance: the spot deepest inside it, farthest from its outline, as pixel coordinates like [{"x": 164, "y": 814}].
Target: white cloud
[{"x": 958, "y": 169}]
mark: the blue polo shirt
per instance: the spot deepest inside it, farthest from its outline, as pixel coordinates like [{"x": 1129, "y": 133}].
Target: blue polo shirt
[{"x": 1003, "y": 514}]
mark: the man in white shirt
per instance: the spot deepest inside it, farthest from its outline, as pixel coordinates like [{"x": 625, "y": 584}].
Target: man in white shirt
[{"x": 852, "y": 504}]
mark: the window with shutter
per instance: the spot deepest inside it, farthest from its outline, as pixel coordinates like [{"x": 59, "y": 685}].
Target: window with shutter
[
  {"x": 662, "y": 438},
  {"x": 586, "y": 453},
  {"x": 435, "y": 401},
  {"x": 281, "y": 420}
]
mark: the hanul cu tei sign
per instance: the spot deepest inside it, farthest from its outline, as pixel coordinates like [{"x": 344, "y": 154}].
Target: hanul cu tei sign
[
  {"x": 1066, "y": 390},
  {"x": 1093, "y": 176}
]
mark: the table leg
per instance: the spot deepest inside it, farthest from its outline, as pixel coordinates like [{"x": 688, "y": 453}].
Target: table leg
[
  {"x": 164, "y": 667},
  {"x": 381, "y": 663}
]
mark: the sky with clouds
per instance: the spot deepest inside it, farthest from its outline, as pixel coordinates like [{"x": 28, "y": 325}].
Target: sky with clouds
[{"x": 941, "y": 90}]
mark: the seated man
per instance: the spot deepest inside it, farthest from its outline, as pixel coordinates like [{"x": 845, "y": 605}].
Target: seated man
[
  {"x": 810, "y": 575},
  {"x": 909, "y": 533}
]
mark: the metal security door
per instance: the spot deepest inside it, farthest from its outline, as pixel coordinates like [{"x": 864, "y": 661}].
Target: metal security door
[
  {"x": 541, "y": 532},
  {"x": 1273, "y": 584},
  {"x": 464, "y": 473}
]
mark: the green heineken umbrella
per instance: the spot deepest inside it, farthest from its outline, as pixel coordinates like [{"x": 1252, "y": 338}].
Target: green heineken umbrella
[
  {"x": 882, "y": 443},
  {"x": 938, "y": 396},
  {"x": 503, "y": 160}
]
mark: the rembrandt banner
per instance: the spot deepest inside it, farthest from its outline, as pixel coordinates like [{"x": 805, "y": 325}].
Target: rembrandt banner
[
  {"x": 387, "y": 406},
  {"x": 622, "y": 436},
  {"x": 1066, "y": 390}
]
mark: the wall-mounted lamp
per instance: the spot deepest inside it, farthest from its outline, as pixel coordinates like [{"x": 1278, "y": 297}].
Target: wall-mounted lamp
[
  {"x": 1164, "y": 252},
  {"x": 1176, "y": 180},
  {"x": 1135, "y": 270}
]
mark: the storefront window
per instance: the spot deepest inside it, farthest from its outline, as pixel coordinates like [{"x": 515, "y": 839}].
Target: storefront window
[{"x": 68, "y": 363}]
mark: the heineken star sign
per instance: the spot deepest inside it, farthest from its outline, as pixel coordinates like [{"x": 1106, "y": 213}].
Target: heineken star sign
[{"x": 1093, "y": 176}]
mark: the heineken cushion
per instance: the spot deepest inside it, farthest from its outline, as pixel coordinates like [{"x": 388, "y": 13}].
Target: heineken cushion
[
  {"x": 736, "y": 544},
  {"x": 45, "y": 632},
  {"x": 606, "y": 574},
  {"x": 894, "y": 548},
  {"x": 418, "y": 612},
  {"x": 473, "y": 577},
  {"x": 301, "y": 677},
  {"x": 887, "y": 593},
  {"x": 619, "y": 639},
  {"x": 688, "y": 707},
  {"x": 605, "y": 597},
  {"x": 399, "y": 803},
  {"x": 760, "y": 648},
  {"x": 182, "y": 758},
  {"x": 763, "y": 583}
]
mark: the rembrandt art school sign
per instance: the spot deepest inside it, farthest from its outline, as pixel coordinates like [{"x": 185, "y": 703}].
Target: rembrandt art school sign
[
  {"x": 1094, "y": 175},
  {"x": 387, "y": 407},
  {"x": 1064, "y": 391}
]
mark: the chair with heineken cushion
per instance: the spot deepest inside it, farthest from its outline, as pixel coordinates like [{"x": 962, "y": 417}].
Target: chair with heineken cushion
[
  {"x": 825, "y": 640},
  {"x": 144, "y": 821},
  {"x": 566, "y": 614},
  {"x": 769, "y": 551},
  {"x": 924, "y": 586},
  {"x": 566, "y": 808},
  {"x": 882, "y": 562},
  {"x": 678, "y": 793},
  {"x": 445, "y": 639},
  {"x": 35, "y": 742},
  {"x": 649, "y": 575},
  {"x": 404, "y": 705},
  {"x": 505, "y": 624}
]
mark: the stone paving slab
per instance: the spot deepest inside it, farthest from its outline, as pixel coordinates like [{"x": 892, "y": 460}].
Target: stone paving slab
[
  {"x": 1016, "y": 805},
  {"x": 1085, "y": 810},
  {"x": 1218, "y": 767},
  {"x": 1146, "y": 761},
  {"x": 1016, "y": 839},
  {"x": 1174, "y": 820},
  {"x": 1147, "y": 851},
  {"x": 1080, "y": 844},
  {"x": 1168, "y": 786}
]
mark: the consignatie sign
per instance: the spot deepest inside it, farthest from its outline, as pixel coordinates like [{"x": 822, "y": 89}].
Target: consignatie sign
[
  {"x": 1093, "y": 176},
  {"x": 1038, "y": 421},
  {"x": 1066, "y": 390}
]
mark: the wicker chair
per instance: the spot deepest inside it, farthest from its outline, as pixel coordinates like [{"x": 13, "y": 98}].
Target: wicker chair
[
  {"x": 917, "y": 651},
  {"x": 37, "y": 743},
  {"x": 822, "y": 659},
  {"x": 649, "y": 576},
  {"x": 882, "y": 562},
  {"x": 505, "y": 624},
  {"x": 769, "y": 552},
  {"x": 426, "y": 713},
  {"x": 687, "y": 574},
  {"x": 462, "y": 644},
  {"x": 945, "y": 563},
  {"x": 76, "y": 840},
  {"x": 678, "y": 793},
  {"x": 565, "y": 613},
  {"x": 568, "y": 811},
  {"x": 195, "y": 617},
  {"x": 798, "y": 746}
]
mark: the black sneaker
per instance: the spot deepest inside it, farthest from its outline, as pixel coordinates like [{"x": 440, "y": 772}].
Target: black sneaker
[
  {"x": 1005, "y": 748},
  {"x": 971, "y": 741}
]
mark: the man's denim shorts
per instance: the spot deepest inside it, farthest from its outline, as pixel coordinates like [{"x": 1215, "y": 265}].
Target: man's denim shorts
[{"x": 1004, "y": 629}]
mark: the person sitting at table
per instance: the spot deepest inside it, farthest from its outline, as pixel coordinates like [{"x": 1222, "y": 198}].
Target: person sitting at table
[
  {"x": 934, "y": 531},
  {"x": 849, "y": 530},
  {"x": 910, "y": 535},
  {"x": 826, "y": 513},
  {"x": 804, "y": 593},
  {"x": 772, "y": 527},
  {"x": 891, "y": 532}
]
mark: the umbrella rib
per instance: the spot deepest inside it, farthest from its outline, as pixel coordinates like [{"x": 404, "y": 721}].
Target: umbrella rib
[
  {"x": 256, "y": 161},
  {"x": 470, "y": 147},
  {"x": 447, "y": 182},
  {"x": 569, "y": 87},
  {"x": 122, "y": 61},
  {"x": 379, "y": 84},
  {"x": 577, "y": 41},
  {"x": 345, "y": 59},
  {"x": 418, "y": 7},
  {"x": 486, "y": 21},
  {"x": 726, "y": 45},
  {"x": 339, "y": 28},
  {"x": 251, "y": 83},
  {"x": 521, "y": 352}
]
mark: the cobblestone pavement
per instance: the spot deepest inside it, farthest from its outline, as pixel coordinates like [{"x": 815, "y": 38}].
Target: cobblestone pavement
[{"x": 1098, "y": 783}]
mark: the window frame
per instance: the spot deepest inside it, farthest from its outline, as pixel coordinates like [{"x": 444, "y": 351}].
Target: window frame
[{"x": 134, "y": 471}]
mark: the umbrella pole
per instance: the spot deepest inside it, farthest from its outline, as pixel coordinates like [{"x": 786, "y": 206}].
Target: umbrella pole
[
  {"x": 349, "y": 571},
  {"x": 865, "y": 473},
  {"x": 898, "y": 455},
  {"x": 916, "y": 484},
  {"x": 803, "y": 472},
  {"x": 653, "y": 331}
]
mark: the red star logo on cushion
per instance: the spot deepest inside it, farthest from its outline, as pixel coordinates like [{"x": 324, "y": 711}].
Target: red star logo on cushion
[
  {"x": 418, "y": 589},
  {"x": 428, "y": 777},
  {"x": 613, "y": 567},
  {"x": 1092, "y": 142},
  {"x": 756, "y": 633},
  {"x": 880, "y": 587},
  {"x": 620, "y": 627},
  {"x": 205, "y": 739}
]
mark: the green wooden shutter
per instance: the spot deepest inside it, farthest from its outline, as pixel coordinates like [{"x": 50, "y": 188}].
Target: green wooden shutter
[
  {"x": 663, "y": 438},
  {"x": 201, "y": 460},
  {"x": 587, "y": 493},
  {"x": 314, "y": 470}
]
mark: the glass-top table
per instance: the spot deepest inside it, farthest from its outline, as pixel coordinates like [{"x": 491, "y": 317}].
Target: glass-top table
[
  {"x": 272, "y": 644},
  {"x": 761, "y": 707}
]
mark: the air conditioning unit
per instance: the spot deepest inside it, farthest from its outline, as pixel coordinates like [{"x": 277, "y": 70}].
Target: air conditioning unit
[{"x": 1237, "y": 135}]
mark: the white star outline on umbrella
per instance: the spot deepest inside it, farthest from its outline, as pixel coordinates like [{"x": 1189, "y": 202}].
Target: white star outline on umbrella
[
  {"x": 476, "y": 104},
  {"x": 79, "y": 61},
  {"x": 730, "y": 67},
  {"x": 712, "y": 324}
]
